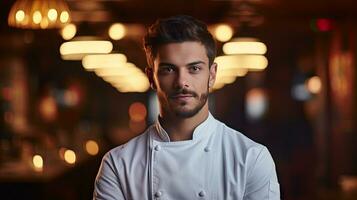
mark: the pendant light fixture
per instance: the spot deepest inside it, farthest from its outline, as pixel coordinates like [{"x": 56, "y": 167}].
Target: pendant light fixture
[{"x": 39, "y": 14}]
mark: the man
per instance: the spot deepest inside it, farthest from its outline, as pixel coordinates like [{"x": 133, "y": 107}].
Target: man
[{"x": 187, "y": 154}]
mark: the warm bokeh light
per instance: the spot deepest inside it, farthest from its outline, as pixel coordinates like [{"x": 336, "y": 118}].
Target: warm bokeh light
[
  {"x": 256, "y": 102},
  {"x": 64, "y": 17},
  {"x": 251, "y": 62},
  {"x": 20, "y": 15},
  {"x": 115, "y": 61},
  {"x": 92, "y": 147},
  {"x": 225, "y": 79},
  {"x": 125, "y": 77},
  {"x": 132, "y": 83},
  {"x": 69, "y": 31},
  {"x": 37, "y": 162},
  {"x": 244, "y": 46},
  {"x": 48, "y": 108},
  {"x": 52, "y": 14},
  {"x": 124, "y": 70},
  {"x": 117, "y": 31},
  {"x": 44, "y": 23},
  {"x": 137, "y": 111},
  {"x": 313, "y": 84},
  {"x": 232, "y": 72},
  {"x": 223, "y": 32},
  {"x": 69, "y": 156},
  {"x": 37, "y": 17},
  {"x": 76, "y": 50}
]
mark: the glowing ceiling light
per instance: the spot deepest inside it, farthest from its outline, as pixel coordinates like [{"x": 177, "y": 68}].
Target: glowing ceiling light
[
  {"x": 64, "y": 17},
  {"x": 52, "y": 14},
  {"x": 244, "y": 46},
  {"x": 223, "y": 32},
  {"x": 20, "y": 15},
  {"x": 93, "y": 62},
  {"x": 37, "y": 17},
  {"x": 117, "y": 31},
  {"x": 68, "y": 31},
  {"x": 250, "y": 62},
  {"x": 76, "y": 50},
  {"x": 232, "y": 72}
]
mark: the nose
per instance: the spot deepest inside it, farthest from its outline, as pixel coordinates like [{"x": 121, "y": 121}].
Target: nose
[{"x": 181, "y": 80}]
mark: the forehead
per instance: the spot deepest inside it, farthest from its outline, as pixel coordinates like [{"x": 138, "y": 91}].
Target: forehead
[{"x": 181, "y": 53}]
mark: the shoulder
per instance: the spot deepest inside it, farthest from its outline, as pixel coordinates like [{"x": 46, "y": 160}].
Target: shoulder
[
  {"x": 135, "y": 147},
  {"x": 238, "y": 140}
]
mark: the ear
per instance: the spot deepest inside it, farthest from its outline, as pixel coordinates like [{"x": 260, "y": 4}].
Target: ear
[
  {"x": 150, "y": 74},
  {"x": 212, "y": 75}
]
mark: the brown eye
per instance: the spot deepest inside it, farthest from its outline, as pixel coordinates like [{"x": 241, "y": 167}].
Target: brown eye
[
  {"x": 195, "y": 68},
  {"x": 167, "y": 69}
]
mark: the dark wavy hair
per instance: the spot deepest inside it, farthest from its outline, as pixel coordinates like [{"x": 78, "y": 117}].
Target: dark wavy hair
[{"x": 178, "y": 29}]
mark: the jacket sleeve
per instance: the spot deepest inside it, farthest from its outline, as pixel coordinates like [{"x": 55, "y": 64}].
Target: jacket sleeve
[
  {"x": 107, "y": 185},
  {"x": 262, "y": 182}
]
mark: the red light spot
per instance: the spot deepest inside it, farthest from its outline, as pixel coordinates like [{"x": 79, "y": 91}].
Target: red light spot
[{"x": 323, "y": 24}]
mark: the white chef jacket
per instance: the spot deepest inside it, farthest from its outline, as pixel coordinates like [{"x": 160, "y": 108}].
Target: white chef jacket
[{"x": 219, "y": 163}]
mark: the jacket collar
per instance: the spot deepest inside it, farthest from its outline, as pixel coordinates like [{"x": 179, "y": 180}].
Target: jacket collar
[{"x": 201, "y": 131}]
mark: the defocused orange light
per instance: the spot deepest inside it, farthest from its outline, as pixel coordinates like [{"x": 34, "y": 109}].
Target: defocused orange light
[
  {"x": 70, "y": 156},
  {"x": 137, "y": 112},
  {"x": 314, "y": 84},
  {"x": 48, "y": 108},
  {"x": 92, "y": 147}
]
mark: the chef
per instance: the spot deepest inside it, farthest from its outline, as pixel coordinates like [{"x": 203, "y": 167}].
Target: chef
[{"x": 187, "y": 154}]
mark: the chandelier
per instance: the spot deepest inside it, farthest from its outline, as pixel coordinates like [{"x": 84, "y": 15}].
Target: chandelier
[{"x": 39, "y": 14}]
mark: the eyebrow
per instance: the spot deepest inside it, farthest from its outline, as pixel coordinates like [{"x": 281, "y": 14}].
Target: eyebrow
[{"x": 189, "y": 64}]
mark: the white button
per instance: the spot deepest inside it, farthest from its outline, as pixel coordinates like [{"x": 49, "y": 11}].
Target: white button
[
  {"x": 158, "y": 194},
  {"x": 207, "y": 149},
  {"x": 157, "y": 148},
  {"x": 202, "y": 194}
]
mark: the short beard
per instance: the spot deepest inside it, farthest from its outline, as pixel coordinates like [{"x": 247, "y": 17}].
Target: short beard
[{"x": 190, "y": 113}]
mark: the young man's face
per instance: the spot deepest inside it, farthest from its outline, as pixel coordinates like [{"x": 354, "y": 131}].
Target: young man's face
[{"x": 181, "y": 77}]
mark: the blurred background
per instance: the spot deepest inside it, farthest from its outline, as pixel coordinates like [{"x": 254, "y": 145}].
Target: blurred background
[{"x": 72, "y": 86}]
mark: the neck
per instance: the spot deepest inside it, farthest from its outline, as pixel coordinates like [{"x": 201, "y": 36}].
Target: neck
[{"x": 180, "y": 129}]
